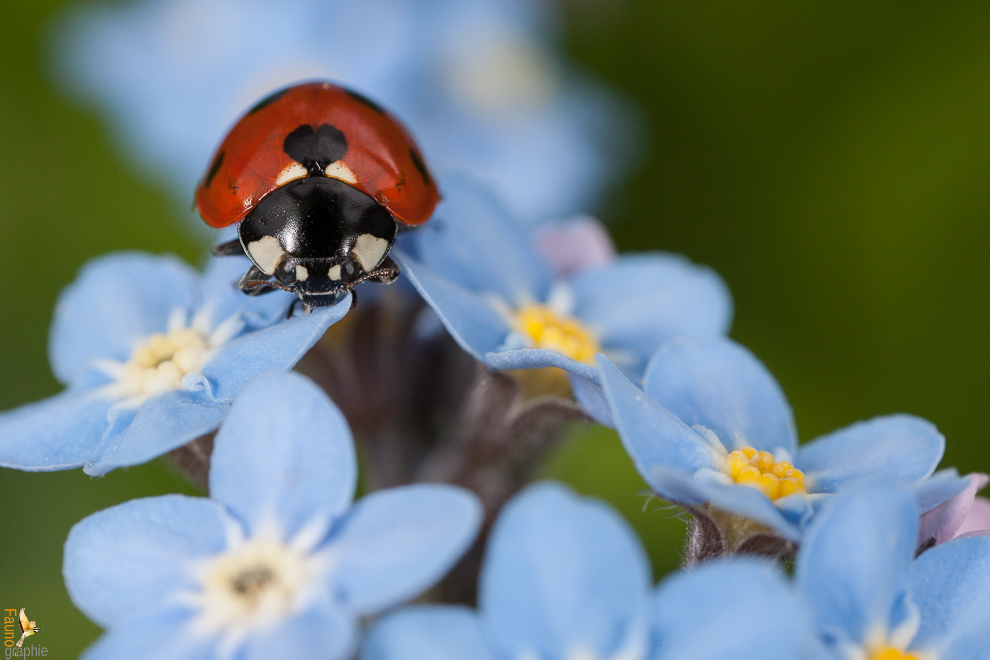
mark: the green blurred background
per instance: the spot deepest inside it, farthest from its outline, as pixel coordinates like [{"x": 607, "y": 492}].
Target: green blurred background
[{"x": 828, "y": 160}]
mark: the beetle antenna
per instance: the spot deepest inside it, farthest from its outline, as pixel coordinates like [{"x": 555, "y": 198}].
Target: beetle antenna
[{"x": 269, "y": 283}]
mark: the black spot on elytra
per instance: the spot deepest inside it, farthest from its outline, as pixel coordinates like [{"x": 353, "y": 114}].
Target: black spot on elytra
[
  {"x": 214, "y": 168},
  {"x": 315, "y": 149},
  {"x": 357, "y": 96},
  {"x": 268, "y": 100},
  {"x": 420, "y": 165}
]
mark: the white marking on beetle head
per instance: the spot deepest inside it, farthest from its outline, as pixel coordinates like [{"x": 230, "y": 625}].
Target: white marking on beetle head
[
  {"x": 340, "y": 171},
  {"x": 369, "y": 251},
  {"x": 265, "y": 252},
  {"x": 334, "y": 272},
  {"x": 301, "y": 273},
  {"x": 291, "y": 172}
]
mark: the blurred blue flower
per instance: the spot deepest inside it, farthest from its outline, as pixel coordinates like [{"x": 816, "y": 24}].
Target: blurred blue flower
[
  {"x": 713, "y": 428},
  {"x": 738, "y": 609},
  {"x": 152, "y": 355},
  {"x": 564, "y": 579},
  {"x": 498, "y": 295},
  {"x": 478, "y": 82},
  {"x": 872, "y": 599},
  {"x": 279, "y": 563}
]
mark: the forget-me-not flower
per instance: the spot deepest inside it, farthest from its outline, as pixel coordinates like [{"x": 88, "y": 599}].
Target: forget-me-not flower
[
  {"x": 278, "y": 562},
  {"x": 872, "y": 600},
  {"x": 478, "y": 82},
  {"x": 564, "y": 579},
  {"x": 500, "y": 299},
  {"x": 713, "y": 429},
  {"x": 152, "y": 354}
]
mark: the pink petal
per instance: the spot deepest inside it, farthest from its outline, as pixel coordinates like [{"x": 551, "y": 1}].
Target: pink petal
[
  {"x": 574, "y": 244},
  {"x": 977, "y": 520},
  {"x": 945, "y": 521}
]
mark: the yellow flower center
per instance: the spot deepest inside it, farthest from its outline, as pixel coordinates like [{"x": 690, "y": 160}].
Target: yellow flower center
[
  {"x": 759, "y": 469},
  {"x": 563, "y": 334},
  {"x": 160, "y": 363},
  {"x": 255, "y": 582},
  {"x": 890, "y": 653}
]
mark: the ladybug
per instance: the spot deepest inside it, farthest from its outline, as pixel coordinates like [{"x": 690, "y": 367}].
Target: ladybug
[{"x": 319, "y": 179}]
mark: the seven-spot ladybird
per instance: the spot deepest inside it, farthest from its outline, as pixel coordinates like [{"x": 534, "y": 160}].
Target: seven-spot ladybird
[{"x": 320, "y": 179}]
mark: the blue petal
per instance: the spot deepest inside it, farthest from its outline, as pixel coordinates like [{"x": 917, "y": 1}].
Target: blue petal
[
  {"x": 221, "y": 296},
  {"x": 284, "y": 455},
  {"x": 472, "y": 240},
  {"x": 539, "y": 358},
  {"x": 58, "y": 433},
  {"x": 161, "y": 424},
  {"x": 564, "y": 574},
  {"x": 676, "y": 485},
  {"x": 854, "y": 566},
  {"x": 951, "y": 587},
  {"x": 590, "y": 395},
  {"x": 939, "y": 489},
  {"x": 733, "y": 610},
  {"x": 163, "y": 634},
  {"x": 427, "y": 632},
  {"x": 651, "y": 434},
  {"x": 395, "y": 543},
  {"x": 786, "y": 516},
  {"x": 137, "y": 555},
  {"x": 722, "y": 386},
  {"x": 899, "y": 446},
  {"x": 116, "y": 302},
  {"x": 637, "y": 302},
  {"x": 322, "y": 632},
  {"x": 474, "y": 323},
  {"x": 275, "y": 348}
]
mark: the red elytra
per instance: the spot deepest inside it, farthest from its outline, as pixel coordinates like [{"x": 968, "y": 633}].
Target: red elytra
[{"x": 382, "y": 156}]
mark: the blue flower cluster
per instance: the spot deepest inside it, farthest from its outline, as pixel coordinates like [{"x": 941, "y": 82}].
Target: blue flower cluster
[
  {"x": 505, "y": 333},
  {"x": 565, "y": 577}
]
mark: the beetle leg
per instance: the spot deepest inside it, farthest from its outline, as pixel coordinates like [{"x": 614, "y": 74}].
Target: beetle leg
[
  {"x": 255, "y": 282},
  {"x": 292, "y": 307},
  {"x": 228, "y": 249}
]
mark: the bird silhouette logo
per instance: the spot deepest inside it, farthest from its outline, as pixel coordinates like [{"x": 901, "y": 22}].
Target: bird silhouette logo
[{"x": 28, "y": 628}]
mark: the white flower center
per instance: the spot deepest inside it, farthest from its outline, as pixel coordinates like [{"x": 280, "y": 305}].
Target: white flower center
[
  {"x": 256, "y": 582},
  {"x": 163, "y": 360}
]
